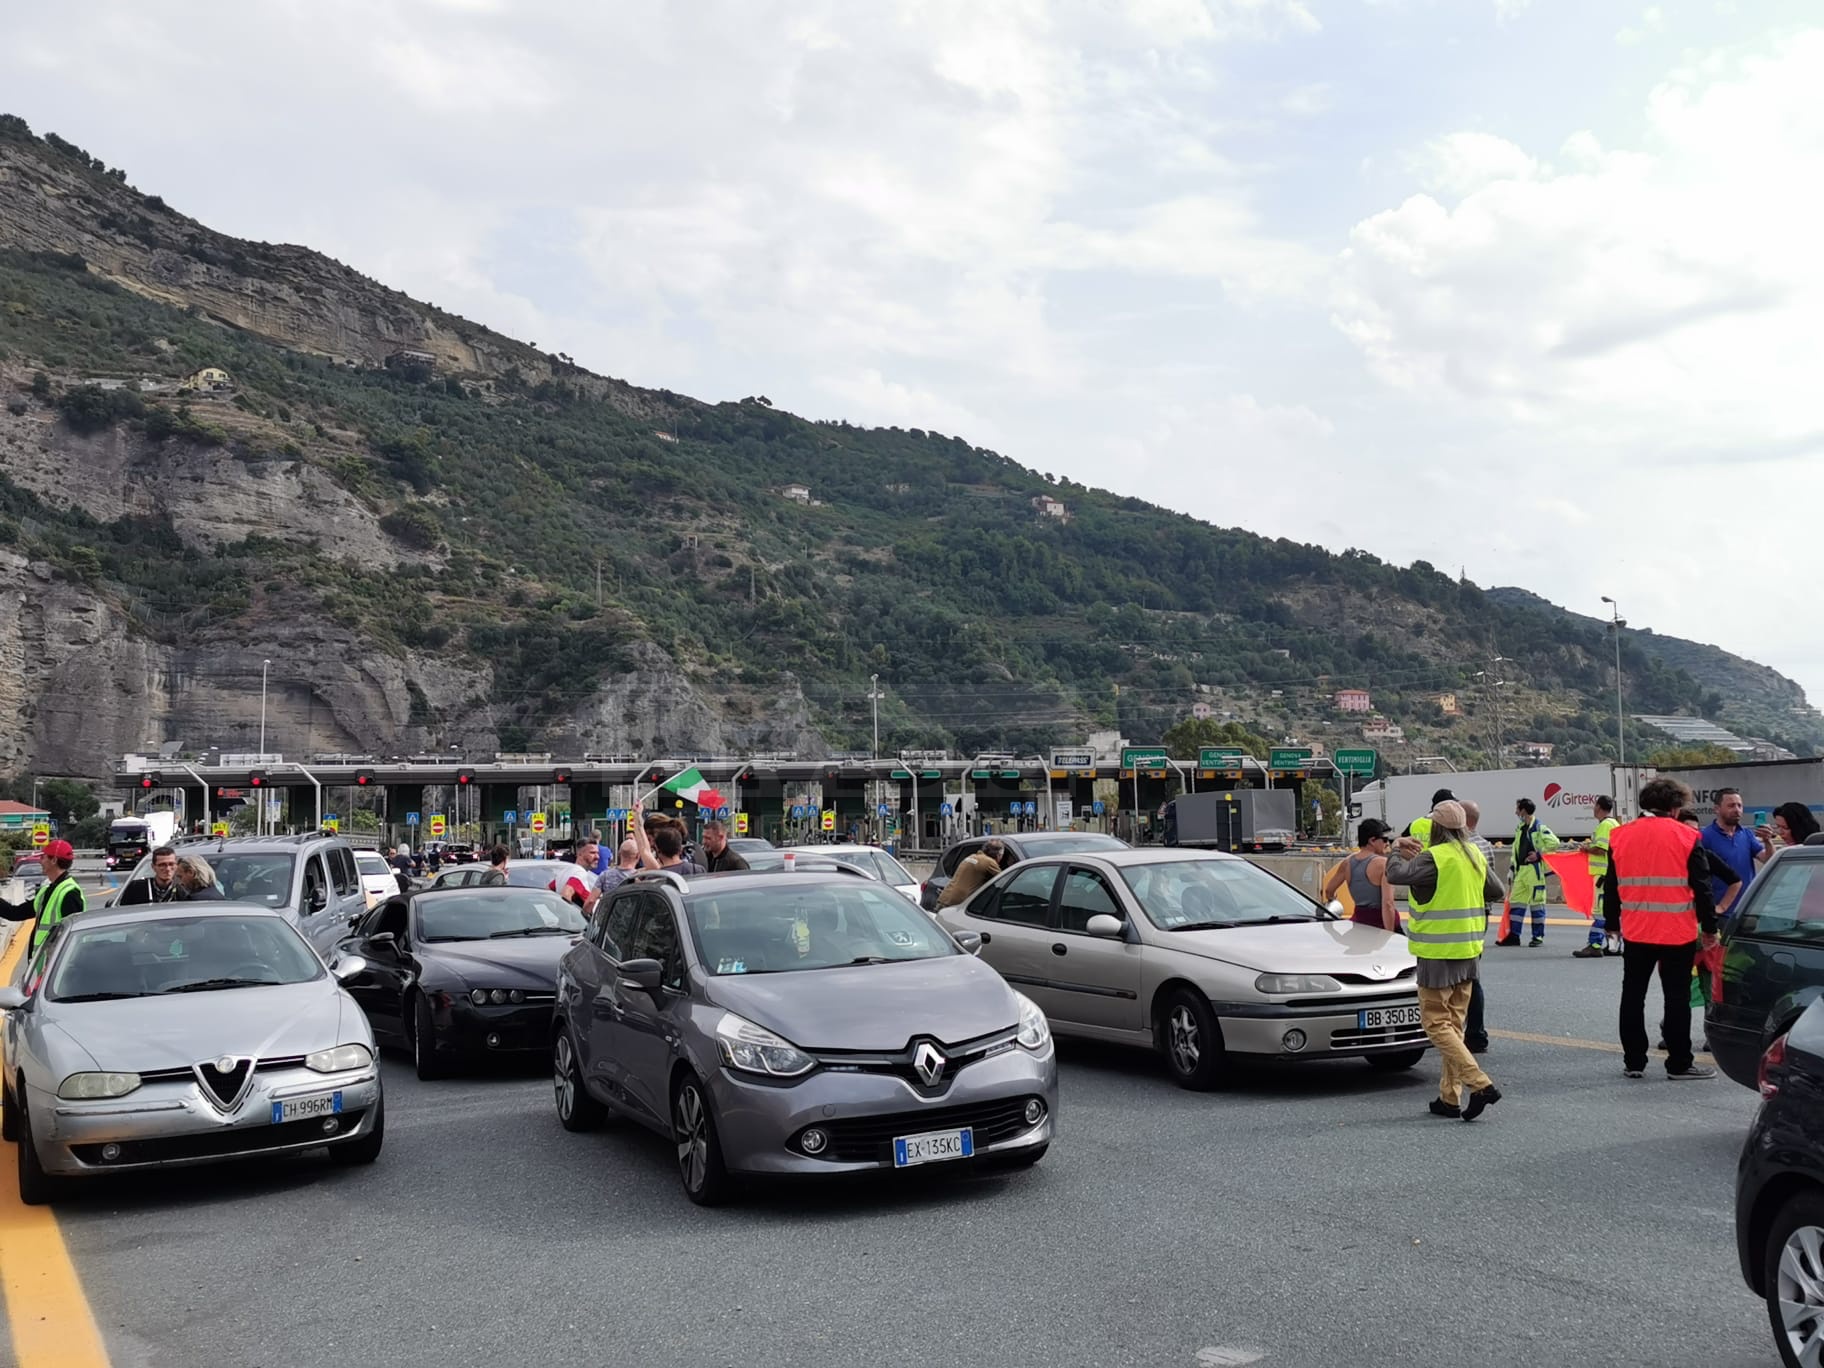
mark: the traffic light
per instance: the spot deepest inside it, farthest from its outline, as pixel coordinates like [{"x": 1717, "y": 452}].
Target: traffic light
[
  {"x": 464, "y": 777},
  {"x": 149, "y": 781},
  {"x": 364, "y": 778},
  {"x": 257, "y": 779},
  {"x": 560, "y": 776}
]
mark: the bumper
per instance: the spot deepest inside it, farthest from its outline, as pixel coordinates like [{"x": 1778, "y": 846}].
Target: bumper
[
  {"x": 1331, "y": 1031},
  {"x": 1737, "y": 1052},
  {"x": 758, "y": 1123},
  {"x": 168, "y": 1125},
  {"x": 465, "y": 1029}
]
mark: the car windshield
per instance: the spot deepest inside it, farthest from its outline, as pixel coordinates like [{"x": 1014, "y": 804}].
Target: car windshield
[
  {"x": 125, "y": 833},
  {"x": 1075, "y": 843},
  {"x": 155, "y": 955},
  {"x": 542, "y": 873},
  {"x": 809, "y": 926},
  {"x": 1183, "y": 895},
  {"x": 495, "y": 913}
]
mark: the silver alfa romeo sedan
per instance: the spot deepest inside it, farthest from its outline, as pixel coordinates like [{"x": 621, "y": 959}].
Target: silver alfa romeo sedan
[{"x": 140, "y": 1039}]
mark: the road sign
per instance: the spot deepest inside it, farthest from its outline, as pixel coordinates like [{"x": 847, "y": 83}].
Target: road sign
[
  {"x": 901, "y": 774},
  {"x": 331, "y": 822},
  {"x": 944, "y": 810},
  {"x": 437, "y": 824},
  {"x": 510, "y": 816},
  {"x": 1097, "y": 807},
  {"x": 1143, "y": 757},
  {"x": 740, "y": 824},
  {"x": 1219, "y": 757},
  {"x": 884, "y": 810},
  {"x": 219, "y": 829},
  {"x": 797, "y": 812},
  {"x": 537, "y": 822},
  {"x": 1356, "y": 761},
  {"x": 1073, "y": 759},
  {"x": 1064, "y": 810},
  {"x": 411, "y": 819},
  {"x": 41, "y": 835},
  {"x": 829, "y": 819},
  {"x": 723, "y": 811},
  {"x": 1032, "y": 808},
  {"x": 1289, "y": 758}
]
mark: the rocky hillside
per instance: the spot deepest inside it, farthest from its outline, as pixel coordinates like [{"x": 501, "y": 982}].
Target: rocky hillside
[{"x": 430, "y": 535}]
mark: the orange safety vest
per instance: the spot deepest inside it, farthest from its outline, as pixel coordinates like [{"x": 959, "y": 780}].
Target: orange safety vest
[{"x": 1651, "y": 857}]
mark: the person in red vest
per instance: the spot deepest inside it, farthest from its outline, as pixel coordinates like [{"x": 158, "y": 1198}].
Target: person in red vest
[{"x": 1658, "y": 885}]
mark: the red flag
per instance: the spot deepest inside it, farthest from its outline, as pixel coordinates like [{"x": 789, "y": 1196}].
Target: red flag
[
  {"x": 1710, "y": 960},
  {"x": 1573, "y": 870}
]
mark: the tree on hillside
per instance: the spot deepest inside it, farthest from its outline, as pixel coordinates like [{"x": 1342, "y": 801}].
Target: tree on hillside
[
  {"x": 1682, "y": 757},
  {"x": 1185, "y": 739}
]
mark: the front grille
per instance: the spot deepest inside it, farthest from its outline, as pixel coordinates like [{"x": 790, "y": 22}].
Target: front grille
[
  {"x": 280, "y": 1062},
  {"x": 898, "y": 1064},
  {"x": 869, "y": 1139},
  {"x": 1411, "y": 972},
  {"x": 225, "y": 1084},
  {"x": 214, "y": 1144},
  {"x": 168, "y": 1076},
  {"x": 1380, "y": 1035}
]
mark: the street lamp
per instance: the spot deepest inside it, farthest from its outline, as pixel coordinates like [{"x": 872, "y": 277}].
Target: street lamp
[
  {"x": 260, "y": 812},
  {"x": 1616, "y": 623},
  {"x": 874, "y": 697}
]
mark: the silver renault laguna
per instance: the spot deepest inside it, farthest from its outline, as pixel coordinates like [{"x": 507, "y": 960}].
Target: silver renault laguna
[{"x": 140, "y": 1039}]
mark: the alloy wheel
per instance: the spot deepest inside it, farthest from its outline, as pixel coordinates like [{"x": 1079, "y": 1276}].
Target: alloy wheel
[
  {"x": 565, "y": 1079},
  {"x": 693, "y": 1137},
  {"x": 1182, "y": 1038},
  {"x": 1799, "y": 1288}
]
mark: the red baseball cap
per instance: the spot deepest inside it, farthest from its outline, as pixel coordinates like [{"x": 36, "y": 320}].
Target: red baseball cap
[{"x": 60, "y": 850}]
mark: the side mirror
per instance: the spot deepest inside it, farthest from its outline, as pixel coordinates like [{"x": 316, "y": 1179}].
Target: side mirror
[
  {"x": 642, "y": 973},
  {"x": 1104, "y": 925},
  {"x": 386, "y": 938},
  {"x": 1335, "y": 908},
  {"x": 11, "y": 998},
  {"x": 348, "y": 967},
  {"x": 970, "y": 942}
]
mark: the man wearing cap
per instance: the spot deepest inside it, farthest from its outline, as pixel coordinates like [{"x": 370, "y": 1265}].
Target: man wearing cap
[
  {"x": 1419, "y": 828},
  {"x": 1449, "y": 888},
  {"x": 59, "y": 897}
]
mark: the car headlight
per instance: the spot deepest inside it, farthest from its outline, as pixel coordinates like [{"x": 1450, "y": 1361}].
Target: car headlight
[
  {"x": 481, "y": 997},
  {"x": 1035, "y": 1031},
  {"x": 339, "y": 1060},
  {"x": 86, "y": 1087},
  {"x": 1283, "y": 985},
  {"x": 757, "y": 1050}
]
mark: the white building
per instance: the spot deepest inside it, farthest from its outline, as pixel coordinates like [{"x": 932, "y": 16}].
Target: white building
[{"x": 797, "y": 493}]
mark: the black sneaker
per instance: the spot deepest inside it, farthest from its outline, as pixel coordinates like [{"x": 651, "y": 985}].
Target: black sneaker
[
  {"x": 1508, "y": 940},
  {"x": 1535, "y": 942},
  {"x": 1695, "y": 1071},
  {"x": 1633, "y": 1073},
  {"x": 1476, "y": 1044},
  {"x": 1588, "y": 952},
  {"x": 1480, "y": 1101},
  {"x": 1439, "y": 1107}
]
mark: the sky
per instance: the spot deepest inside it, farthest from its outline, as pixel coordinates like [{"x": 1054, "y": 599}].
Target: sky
[{"x": 1528, "y": 289}]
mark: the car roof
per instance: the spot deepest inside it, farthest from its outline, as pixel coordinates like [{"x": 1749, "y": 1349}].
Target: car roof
[
  {"x": 1125, "y": 858},
  {"x": 268, "y": 844},
  {"x": 741, "y": 880},
  {"x": 838, "y": 848},
  {"x": 108, "y": 916}
]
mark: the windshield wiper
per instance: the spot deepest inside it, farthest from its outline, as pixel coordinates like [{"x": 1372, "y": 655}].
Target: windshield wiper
[
  {"x": 208, "y": 985},
  {"x": 1204, "y": 926},
  {"x": 98, "y": 997},
  {"x": 1276, "y": 917},
  {"x": 872, "y": 959},
  {"x": 534, "y": 931}
]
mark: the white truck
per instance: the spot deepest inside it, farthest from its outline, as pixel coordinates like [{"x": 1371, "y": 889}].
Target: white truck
[
  {"x": 1763, "y": 785},
  {"x": 1564, "y": 794}
]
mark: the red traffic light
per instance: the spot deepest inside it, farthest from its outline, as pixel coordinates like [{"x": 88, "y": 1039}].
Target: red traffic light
[
  {"x": 465, "y": 777},
  {"x": 257, "y": 779},
  {"x": 561, "y": 776},
  {"x": 148, "y": 781},
  {"x": 363, "y": 778}
]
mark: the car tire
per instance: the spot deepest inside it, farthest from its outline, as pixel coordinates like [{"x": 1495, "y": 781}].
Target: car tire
[
  {"x": 425, "y": 1059},
  {"x": 367, "y": 1149},
  {"x": 693, "y": 1128},
  {"x": 1191, "y": 1040},
  {"x": 9, "y": 1114},
  {"x": 1802, "y": 1212},
  {"x": 576, "y": 1109},
  {"x": 1395, "y": 1062},
  {"x": 36, "y": 1187}
]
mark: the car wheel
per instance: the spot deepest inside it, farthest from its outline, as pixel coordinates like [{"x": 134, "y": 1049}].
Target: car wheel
[
  {"x": 429, "y": 1064},
  {"x": 367, "y": 1148},
  {"x": 1793, "y": 1274},
  {"x": 693, "y": 1124},
  {"x": 575, "y": 1107},
  {"x": 1395, "y": 1061},
  {"x": 9, "y": 1114},
  {"x": 36, "y": 1187},
  {"x": 1191, "y": 1039}
]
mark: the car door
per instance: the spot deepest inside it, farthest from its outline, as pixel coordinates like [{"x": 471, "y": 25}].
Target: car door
[
  {"x": 350, "y": 897},
  {"x": 647, "y": 1027},
  {"x": 1013, "y": 917},
  {"x": 593, "y": 1010},
  {"x": 945, "y": 871},
  {"x": 1773, "y": 963},
  {"x": 1095, "y": 980},
  {"x": 379, "y": 989}
]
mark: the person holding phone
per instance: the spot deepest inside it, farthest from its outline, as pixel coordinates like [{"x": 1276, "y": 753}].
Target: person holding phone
[{"x": 1791, "y": 824}]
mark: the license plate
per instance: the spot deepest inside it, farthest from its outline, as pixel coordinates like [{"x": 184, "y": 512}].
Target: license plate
[
  {"x": 933, "y": 1147},
  {"x": 303, "y": 1108},
  {"x": 1370, "y": 1017}
]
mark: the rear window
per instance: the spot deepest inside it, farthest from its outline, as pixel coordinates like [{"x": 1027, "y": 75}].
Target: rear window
[
  {"x": 1788, "y": 902},
  {"x": 370, "y": 863},
  {"x": 1074, "y": 844},
  {"x": 252, "y": 878}
]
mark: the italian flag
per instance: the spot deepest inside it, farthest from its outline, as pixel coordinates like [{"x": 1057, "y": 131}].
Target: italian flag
[{"x": 688, "y": 784}]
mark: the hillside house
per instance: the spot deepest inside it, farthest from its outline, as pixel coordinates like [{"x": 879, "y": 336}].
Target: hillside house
[
  {"x": 1380, "y": 729},
  {"x": 1050, "y": 508},
  {"x": 1447, "y": 704},
  {"x": 1535, "y": 750},
  {"x": 797, "y": 493},
  {"x": 666, "y": 437},
  {"x": 209, "y": 379},
  {"x": 1200, "y": 711},
  {"x": 1353, "y": 701}
]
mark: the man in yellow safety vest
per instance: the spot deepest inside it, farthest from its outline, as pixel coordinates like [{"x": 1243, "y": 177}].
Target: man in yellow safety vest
[
  {"x": 1605, "y": 934},
  {"x": 58, "y": 898},
  {"x": 1449, "y": 888}
]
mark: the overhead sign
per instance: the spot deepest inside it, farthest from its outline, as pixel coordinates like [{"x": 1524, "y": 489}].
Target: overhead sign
[
  {"x": 438, "y": 826},
  {"x": 41, "y": 835},
  {"x": 1219, "y": 757},
  {"x": 901, "y": 774},
  {"x": 1073, "y": 759},
  {"x": 1356, "y": 761},
  {"x": 536, "y": 822},
  {"x": 1143, "y": 757},
  {"x": 740, "y": 824},
  {"x": 1289, "y": 758},
  {"x": 829, "y": 819}
]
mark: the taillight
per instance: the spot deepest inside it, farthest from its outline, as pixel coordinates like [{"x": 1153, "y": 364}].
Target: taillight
[{"x": 1771, "y": 1062}]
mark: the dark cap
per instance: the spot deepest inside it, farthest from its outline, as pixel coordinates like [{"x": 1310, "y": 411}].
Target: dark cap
[
  {"x": 1443, "y": 796},
  {"x": 1370, "y": 828}
]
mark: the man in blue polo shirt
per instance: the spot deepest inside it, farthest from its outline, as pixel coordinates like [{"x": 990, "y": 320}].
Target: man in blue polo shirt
[{"x": 1733, "y": 844}]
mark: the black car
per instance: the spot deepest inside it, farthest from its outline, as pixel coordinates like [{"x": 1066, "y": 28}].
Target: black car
[
  {"x": 1023, "y": 846},
  {"x": 1779, "y": 1191},
  {"x": 1773, "y": 961},
  {"x": 461, "y": 972}
]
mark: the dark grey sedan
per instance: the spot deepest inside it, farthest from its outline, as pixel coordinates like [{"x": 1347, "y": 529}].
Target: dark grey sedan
[{"x": 796, "y": 1024}]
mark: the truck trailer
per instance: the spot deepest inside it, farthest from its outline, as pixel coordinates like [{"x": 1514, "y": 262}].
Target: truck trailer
[
  {"x": 1764, "y": 785},
  {"x": 129, "y": 838},
  {"x": 1565, "y": 796},
  {"x": 1233, "y": 820}
]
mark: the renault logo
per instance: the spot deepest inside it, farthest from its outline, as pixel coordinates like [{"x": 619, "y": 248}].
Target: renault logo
[{"x": 929, "y": 1062}]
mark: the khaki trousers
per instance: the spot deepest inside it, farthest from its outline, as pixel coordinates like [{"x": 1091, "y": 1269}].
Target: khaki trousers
[{"x": 1442, "y": 1011}]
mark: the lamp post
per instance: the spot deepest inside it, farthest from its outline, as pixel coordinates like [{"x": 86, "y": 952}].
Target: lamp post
[
  {"x": 874, "y": 697},
  {"x": 1616, "y": 623},
  {"x": 260, "y": 812}
]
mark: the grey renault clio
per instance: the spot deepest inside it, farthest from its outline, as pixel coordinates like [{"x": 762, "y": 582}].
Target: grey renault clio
[{"x": 795, "y": 1025}]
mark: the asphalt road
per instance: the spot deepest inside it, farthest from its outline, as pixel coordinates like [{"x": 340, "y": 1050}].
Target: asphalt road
[{"x": 1314, "y": 1217}]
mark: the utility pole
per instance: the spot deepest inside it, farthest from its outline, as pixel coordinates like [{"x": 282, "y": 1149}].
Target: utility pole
[
  {"x": 259, "y": 825},
  {"x": 874, "y": 697},
  {"x": 1616, "y": 623},
  {"x": 598, "y": 584}
]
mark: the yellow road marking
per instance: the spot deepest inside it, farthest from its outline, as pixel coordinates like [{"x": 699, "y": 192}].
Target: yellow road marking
[
  {"x": 46, "y": 1310},
  {"x": 1533, "y": 1038}
]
